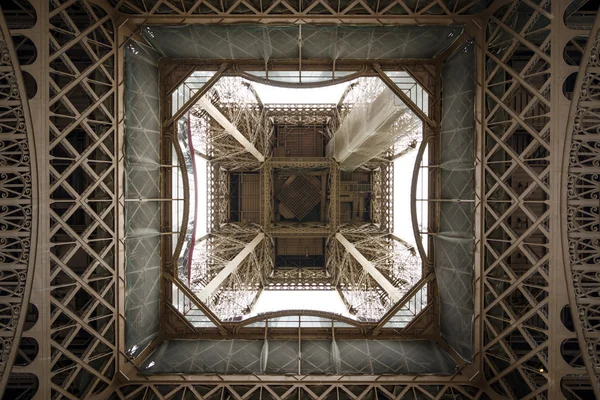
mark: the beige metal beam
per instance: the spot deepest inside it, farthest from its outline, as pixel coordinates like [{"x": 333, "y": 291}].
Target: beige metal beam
[
  {"x": 386, "y": 285},
  {"x": 230, "y": 128},
  {"x": 230, "y": 267}
]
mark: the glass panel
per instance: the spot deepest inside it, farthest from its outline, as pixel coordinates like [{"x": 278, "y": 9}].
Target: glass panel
[
  {"x": 417, "y": 94},
  {"x": 412, "y": 308},
  {"x": 305, "y": 77},
  {"x": 188, "y": 88},
  {"x": 279, "y": 95},
  {"x": 279, "y": 300}
]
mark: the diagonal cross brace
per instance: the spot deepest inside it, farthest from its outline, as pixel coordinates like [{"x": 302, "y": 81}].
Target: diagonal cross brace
[
  {"x": 368, "y": 266},
  {"x": 230, "y": 128},
  {"x": 229, "y": 269}
]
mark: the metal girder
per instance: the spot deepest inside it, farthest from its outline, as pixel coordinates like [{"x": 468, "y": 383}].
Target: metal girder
[
  {"x": 230, "y": 128},
  {"x": 230, "y": 267},
  {"x": 386, "y": 285}
]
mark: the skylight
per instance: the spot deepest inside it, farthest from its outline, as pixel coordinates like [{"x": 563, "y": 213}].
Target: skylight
[
  {"x": 242, "y": 136},
  {"x": 281, "y": 95},
  {"x": 317, "y": 300}
]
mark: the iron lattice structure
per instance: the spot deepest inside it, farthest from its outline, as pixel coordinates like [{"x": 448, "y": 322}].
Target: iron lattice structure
[{"x": 70, "y": 147}]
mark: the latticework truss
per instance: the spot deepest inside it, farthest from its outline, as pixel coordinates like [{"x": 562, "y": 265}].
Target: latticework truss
[
  {"x": 537, "y": 220},
  {"x": 283, "y": 10}
]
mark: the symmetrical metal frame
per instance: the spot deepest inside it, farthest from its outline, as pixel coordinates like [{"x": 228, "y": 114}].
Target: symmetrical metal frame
[
  {"x": 78, "y": 285},
  {"x": 237, "y": 153}
]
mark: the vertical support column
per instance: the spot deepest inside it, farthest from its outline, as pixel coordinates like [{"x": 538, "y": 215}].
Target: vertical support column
[
  {"x": 479, "y": 198},
  {"x": 40, "y": 295},
  {"x": 557, "y": 290}
]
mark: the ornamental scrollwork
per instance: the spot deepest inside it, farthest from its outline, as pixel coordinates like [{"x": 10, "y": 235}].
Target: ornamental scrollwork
[
  {"x": 583, "y": 202},
  {"x": 11, "y": 120},
  {"x": 585, "y": 153},
  {"x": 584, "y": 251},
  {"x": 15, "y": 185},
  {"x": 13, "y": 152},
  {"x": 17, "y": 206}
]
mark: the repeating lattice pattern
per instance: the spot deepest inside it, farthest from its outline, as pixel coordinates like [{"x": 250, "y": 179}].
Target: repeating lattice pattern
[
  {"x": 299, "y": 8},
  {"x": 17, "y": 196},
  {"x": 516, "y": 233},
  {"x": 310, "y": 357},
  {"x": 82, "y": 165},
  {"x": 298, "y": 391}
]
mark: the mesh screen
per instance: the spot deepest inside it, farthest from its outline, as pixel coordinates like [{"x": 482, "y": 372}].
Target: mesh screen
[
  {"x": 282, "y": 42},
  {"x": 454, "y": 243},
  {"x": 142, "y": 219}
]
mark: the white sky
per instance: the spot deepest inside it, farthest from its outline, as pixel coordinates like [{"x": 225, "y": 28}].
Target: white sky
[
  {"x": 403, "y": 169},
  {"x": 278, "y": 95},
  {"x": 320, "y": 300},
  {"x": 201, "y": 196}
]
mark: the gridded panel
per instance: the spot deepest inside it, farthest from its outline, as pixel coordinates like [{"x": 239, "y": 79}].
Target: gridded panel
[
  {"x": 142, "y": 271},
  {"x": 205, "y": 356},
  {"x": 325, "y": 42},
  {"x": 418, "y": 357},
  {"x": 282, "y": 357},
  {"x": 458, "y": 180},
  {"x": 300, "y": 196},
  {"x": 456, "y": 219},
  {"x": 454, "y": 271},
  {"x": 317, "y": 357},
  {"x": 142, "y": 210},
  {"x": 244, "y": 358},
  {"x": 393, "y": 357},
  {"x": 454, "y": 245}
]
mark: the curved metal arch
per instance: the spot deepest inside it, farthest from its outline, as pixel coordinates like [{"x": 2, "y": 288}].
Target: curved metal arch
[
  {"x": 17, "y": 100},
  {"x": 361, "y": 72},
  {"x": 186, "y": 197},
  {"x": 293, "y": 313},
  {"x": 587, "y": 345},
  {"x": 413, "y": 199}
]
